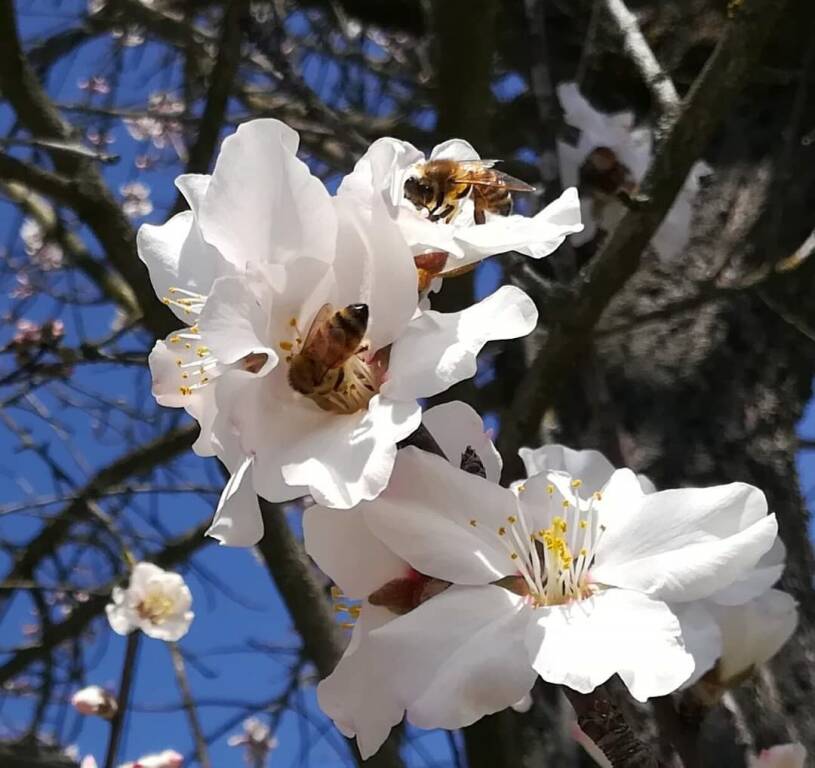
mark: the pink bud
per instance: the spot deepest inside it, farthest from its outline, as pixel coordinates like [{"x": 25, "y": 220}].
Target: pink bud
[{"x": 94, "y": 700}]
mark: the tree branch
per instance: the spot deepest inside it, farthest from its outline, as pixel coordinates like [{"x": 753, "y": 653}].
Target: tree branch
[
  {"x": 639, "y": 52},
  {"x": 706, "y": 105}
]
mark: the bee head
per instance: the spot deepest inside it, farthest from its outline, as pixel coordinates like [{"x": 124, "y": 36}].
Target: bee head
[
  {"x": 419, "y": 191},
  {"x": 359, "y": 312}
]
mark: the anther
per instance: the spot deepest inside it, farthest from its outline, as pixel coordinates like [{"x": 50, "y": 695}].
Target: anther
[
  {"x": 576, "y": 483},
  {"x": 512, "y": 519},
  {"x": 473, "y": 523}
]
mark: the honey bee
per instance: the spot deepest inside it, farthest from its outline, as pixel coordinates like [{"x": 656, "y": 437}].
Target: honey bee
[
  {"x": 318, "y": 367},
  {"x": 441, "y": 186}
]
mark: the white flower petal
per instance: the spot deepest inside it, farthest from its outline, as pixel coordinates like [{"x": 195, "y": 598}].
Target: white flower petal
[
  {"x": 121, "y": 618},
  {"x": 754, "y": 632},
  {"x": 353, "y": 695},
  {"x": 582, "y": 644},
  {"x": 375, "y": 267},
  {"x": 485, "y": 667},
  {"x": 701, "y": 636},
  {"x": 592, "y": 468},
  {"x": 535, "y": 236},
  {"x": 456, "y": 427},
  {"x": 758, "y": 580},
  {"x": 233, "y": 322},
  {"x": 780, "y": 756},
  {"x": 454, "y": 149},
  {"x": 683, "y": 544},
  {"x": 349, "y": 459},
  {"x": 177, "y": 257},
  {"x": 438, "y": 350},
  {"x": 425, "y": 517},
  {"x": 346, "y": 550},
  {"x": 237, "y": 521},
  {"x": 263, "y": 205},
  {"x": 194, "y": 187}
]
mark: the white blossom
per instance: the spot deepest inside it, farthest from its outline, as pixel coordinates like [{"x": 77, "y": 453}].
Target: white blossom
[
  {"x": 478, "y": 589},
  {"x": 156, "y": 601},
  {"x": 168, "y": 758},
  {"x": 781, "y": 756},
  {"x": 257, "y": 741},
  {"x": 389, "y": 163},
  {"x": 611, "y": 157},
  {"x": 136, "y": 202},
  {"x": 751, "y": 621},
  {"x": 41, "y": 249},
  {"x": 263, "y": 249},
  {"x": 95, "y": 700}
]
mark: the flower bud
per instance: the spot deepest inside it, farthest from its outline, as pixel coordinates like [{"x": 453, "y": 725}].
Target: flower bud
[{"x": 94, "y": 700}]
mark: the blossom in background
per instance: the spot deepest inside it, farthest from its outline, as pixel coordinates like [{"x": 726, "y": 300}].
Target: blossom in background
[
  {"x": 156, "y": 601},
  {"x": 169, "y": 758},
  {"x": 257, "y": 740},
  {"x": 161, "y": 126},
  {"x": 747, "y": 619},
  {"x": 41, "y": 249},
  {"x": 94, "y": 700},
  {"x": 610, "y": 158},
  {"x": 89, "y": 761},
  {"x": 389, "y": 163},
  {"x": 97, "y": 84},
  {"x": 781, "y": 756},
  {"x": 478, "y": 589},
  {"x": 136, "y": 199},
  {"x": 263, "y": 251}
]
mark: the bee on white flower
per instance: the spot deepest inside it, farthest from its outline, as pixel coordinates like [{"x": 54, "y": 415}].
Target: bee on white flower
[
  {"x": 448, "y": 230},
  {"x": 305, "y": 353},
  {"x": 155, "y": 601}
]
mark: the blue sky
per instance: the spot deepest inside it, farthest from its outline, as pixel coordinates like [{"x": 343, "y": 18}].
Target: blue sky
[{"x": 231, "y": 678}]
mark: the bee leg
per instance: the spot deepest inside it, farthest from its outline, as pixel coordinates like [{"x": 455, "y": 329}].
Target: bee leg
[
  {"x": 447, "y": 213},
  {"x": 340, "y": 379},
  {"x": 479, "y": 215}
]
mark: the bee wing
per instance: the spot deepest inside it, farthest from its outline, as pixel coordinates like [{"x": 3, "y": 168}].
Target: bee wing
[
  {"x": 501, "y": 179},
  {"x": 475, "y": 165},
  {"x": 323, "y": 313}
]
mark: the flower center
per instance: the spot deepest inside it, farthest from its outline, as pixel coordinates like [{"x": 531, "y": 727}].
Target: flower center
[
  {"x": 339, "y": 380},
  {"x": 156, "y": 606},
  {"x": 553, "y": 563}
]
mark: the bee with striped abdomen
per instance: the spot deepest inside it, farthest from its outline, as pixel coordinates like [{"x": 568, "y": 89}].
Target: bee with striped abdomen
[{"x": 440, "y": 186}]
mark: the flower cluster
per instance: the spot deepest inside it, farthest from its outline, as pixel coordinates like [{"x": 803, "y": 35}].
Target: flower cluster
[{"x": 307, "y": 346}]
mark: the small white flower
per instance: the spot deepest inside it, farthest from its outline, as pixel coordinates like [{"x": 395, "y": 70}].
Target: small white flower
[
  {"x": 94, "y": 700},
  {"x": 478, "y": 589},
  {"x": 611, "y": 157},
  {"x": 156, "y": 601},
  {"x": 781, "y": 756},
  {"x": 136, "y": 199},
  {"x": 89, "y": 761},
  {"x": 169, "y": 758},
  {"x": 257, "y": 740},
  {"x": 251, "y": 266},
  {"x": 43, "y": 251},
  {"x": 389, "y": 163}
]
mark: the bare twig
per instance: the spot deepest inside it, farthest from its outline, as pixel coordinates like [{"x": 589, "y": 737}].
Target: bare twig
[
  {"x": 122, "y": 698},
  {"x": 639, "y": 52},
  {"x": 189, "y": 706}
]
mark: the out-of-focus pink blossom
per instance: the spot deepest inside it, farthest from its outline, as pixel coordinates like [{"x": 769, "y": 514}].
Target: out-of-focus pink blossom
[
  {"x": 88, "y": 762},
  {"x": 95, "y": 700},
  {"x": 257, "y": 741},
  {"x": 23, "y": 289},
  {"x": 161, "y": 125},
  {"x": 29, "y": 334},
  {"x": 136, "y": 201},
  {"x": 95, "y": 84},
  {"x": 43, "y": 252},
  {"x": 99, "y": 138}
]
